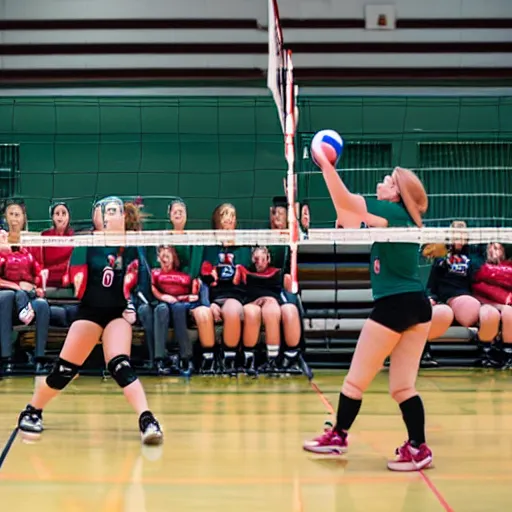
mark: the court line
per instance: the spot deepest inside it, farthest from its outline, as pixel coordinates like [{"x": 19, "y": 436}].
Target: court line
[
  {"x": 391, "y": 478},
  {"x": 211, "y": 481},
  {"x": 7, "y": 446},
  {"x": 425, "y": 478},
  {"x": 436, "y": 492},
  {"x": 298, "y": 503}
]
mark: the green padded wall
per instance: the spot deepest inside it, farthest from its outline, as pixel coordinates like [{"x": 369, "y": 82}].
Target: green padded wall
[
  {"x": 213, "y": 149},
  {"x": 461, "y": 147}
]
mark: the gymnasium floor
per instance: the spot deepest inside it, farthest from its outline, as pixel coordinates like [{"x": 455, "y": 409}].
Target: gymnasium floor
[{"x": 234, "y": 446}]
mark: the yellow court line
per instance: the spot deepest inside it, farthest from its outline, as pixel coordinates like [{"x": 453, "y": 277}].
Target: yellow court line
[
  {"x": 298, "y": 502},
  {"x": 230, "y": 481}
]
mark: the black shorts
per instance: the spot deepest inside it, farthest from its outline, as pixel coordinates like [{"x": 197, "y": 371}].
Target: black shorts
[
  {"x": 221, "y": 298},
  {"x": 402, "y": 311},
  {"x": 260, "y": 294},
  {"x": 99, "y": 316}
]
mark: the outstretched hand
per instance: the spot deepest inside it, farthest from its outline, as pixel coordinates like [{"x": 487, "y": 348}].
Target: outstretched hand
[{"x": 321, "y": 159}]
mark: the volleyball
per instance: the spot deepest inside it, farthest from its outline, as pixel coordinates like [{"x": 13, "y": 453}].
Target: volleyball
[{"x": 330, "y": 143}]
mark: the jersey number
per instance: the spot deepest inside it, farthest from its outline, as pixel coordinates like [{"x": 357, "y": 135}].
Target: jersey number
[{"x": 108, "y": 278}]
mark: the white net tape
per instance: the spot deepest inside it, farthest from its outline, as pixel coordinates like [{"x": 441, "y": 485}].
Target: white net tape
[{"x": 271, "y": 237}]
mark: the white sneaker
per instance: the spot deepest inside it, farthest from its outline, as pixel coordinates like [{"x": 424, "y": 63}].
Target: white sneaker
[{"x": 150, "y": 431}]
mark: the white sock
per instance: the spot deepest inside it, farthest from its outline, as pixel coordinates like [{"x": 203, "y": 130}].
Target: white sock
[
  {"x": 291, "y": 353},
  {"x": 272, "y": 351}
]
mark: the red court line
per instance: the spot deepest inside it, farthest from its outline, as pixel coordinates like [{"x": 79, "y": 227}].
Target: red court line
[
  {"x": 322, "y": 397},
  {"x": 436, "y": 492},
  {"x": 425, "y": 478}
]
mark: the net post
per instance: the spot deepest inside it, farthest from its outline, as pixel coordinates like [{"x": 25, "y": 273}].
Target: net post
[{"x": 289, "y": 136}]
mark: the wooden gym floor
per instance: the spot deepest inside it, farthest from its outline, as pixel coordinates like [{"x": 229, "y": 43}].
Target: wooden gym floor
[{"x": 234, "y": 446}]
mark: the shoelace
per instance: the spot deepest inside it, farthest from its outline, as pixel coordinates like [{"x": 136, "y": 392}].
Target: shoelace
[
  {"x": 32, "y": 417},
  {"x": 147, "y": 421},
  {"x": 327, "y": 436},
  {"x": 404, "y": 453}
]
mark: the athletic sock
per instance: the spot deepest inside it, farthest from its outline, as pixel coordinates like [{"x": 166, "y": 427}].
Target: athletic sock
[
  {"x": 348, "y": 409},
  {"x": 413, "y": 414},
  {"x": 272, "y": 351}
]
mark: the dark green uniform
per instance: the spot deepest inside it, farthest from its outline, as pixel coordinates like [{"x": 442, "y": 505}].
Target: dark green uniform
[
  {"x": 106, "y": 267},
  {"x": 191, "y": 257},
  {"x": 394, "y": 267}
]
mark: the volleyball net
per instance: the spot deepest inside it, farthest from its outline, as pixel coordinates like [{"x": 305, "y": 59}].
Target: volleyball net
[{"x": 268, "y": 237}]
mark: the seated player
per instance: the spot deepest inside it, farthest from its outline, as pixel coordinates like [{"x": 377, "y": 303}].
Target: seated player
[
  {"x": 141, "y": 295},
  {"x": 21, "y": 289},
  {"x": 263, "y": 286},
  {"x": 450, "y": 283},
  {"x": 279, "y": 213},
  {"x": 264, "y": 291},
  {"x": 190, "y": 256},
  {"x": 178, "y": 294},
  {"x": 103, "y": 278},
  {"x": 177, "y": 211},
  {"x": 493, "y": 285},
  {"x": 226, "y": 298},
  {"x": 291, "y": 310},
  {"x": 56, "y": 259},
  {"x": 304, "y": 218}
]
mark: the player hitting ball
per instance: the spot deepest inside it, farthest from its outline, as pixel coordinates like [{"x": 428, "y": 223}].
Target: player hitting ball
[
  {"x": 400, "y": 320},
  {"x": 102, "y": 282}
]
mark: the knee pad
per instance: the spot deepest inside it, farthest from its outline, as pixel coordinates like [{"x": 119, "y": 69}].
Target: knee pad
[
  {"x": 63, "y": 372},
  {"x": 121, "y": 370}
]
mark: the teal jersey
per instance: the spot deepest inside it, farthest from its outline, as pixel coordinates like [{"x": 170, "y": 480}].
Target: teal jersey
[{"x": 394, "y": 267}]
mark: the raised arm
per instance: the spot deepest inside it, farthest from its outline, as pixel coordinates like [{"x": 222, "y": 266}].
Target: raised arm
[{"x": 350, "y": 208}]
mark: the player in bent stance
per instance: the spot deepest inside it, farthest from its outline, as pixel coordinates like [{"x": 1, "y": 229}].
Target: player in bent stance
[{"x": 103, "y": 280}]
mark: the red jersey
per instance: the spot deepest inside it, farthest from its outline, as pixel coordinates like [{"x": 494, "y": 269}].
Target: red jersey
[
  {"x": 55, "y": 259},
  {"x": 497, "y": 275},
  {"x": 173, "y": 283},
  {"x": 20, "y": 266}
]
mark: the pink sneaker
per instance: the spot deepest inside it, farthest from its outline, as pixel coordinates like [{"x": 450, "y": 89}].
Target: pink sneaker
[
  {"x": 411, "y": 459},
  {"x": 329, "y": 442}
]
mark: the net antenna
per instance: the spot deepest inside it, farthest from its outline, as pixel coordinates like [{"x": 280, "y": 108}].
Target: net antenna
[{"x": 280, "y": 81}]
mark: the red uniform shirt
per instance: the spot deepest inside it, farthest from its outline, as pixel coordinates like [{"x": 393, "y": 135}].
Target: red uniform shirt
[
  {"x": 55, "y": 259},
  {"x": 171, "y": 283},
  {"x": 20, "y": 265}
]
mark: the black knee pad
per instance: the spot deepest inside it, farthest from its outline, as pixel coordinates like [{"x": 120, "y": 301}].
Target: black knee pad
[
  {"x": 63, "y": 372},
  {"x": 121, "y": 370}
]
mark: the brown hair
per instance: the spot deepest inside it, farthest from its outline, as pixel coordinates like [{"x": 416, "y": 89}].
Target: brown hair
[
  {"x": 216, "y": 215},
  {"x": 175, "y": 258},
  {"x": 412, "y": 193},
  {"x": 133, "y": 217}
]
